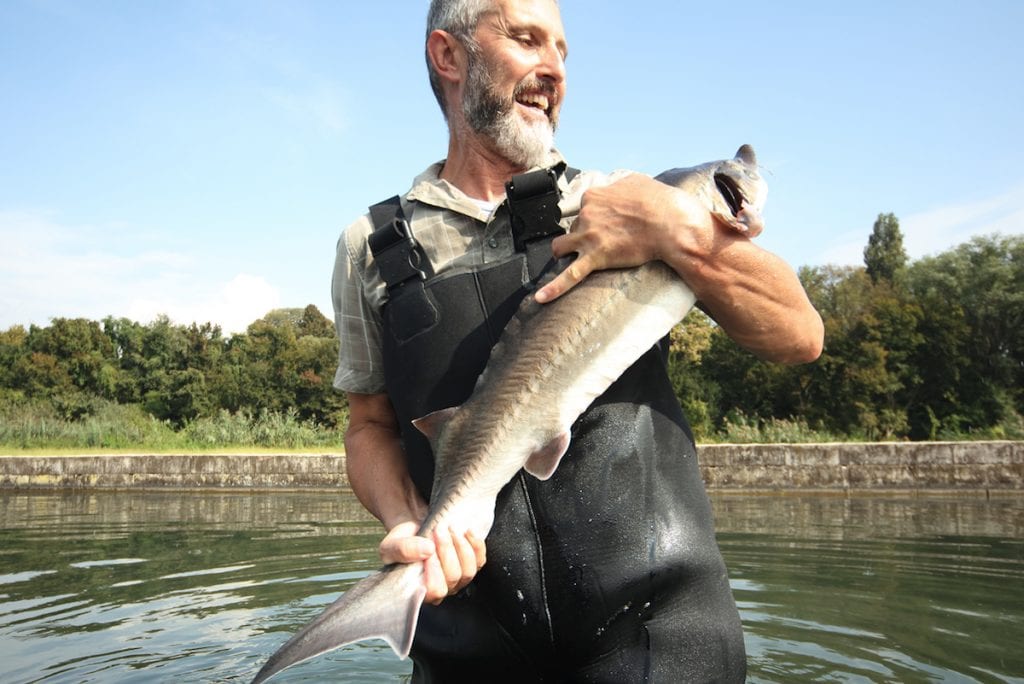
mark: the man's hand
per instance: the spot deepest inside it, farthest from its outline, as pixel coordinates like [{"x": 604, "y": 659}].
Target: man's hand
[
  {"x": 450, "y": 560},
  {"x": 627, "y": 223}
]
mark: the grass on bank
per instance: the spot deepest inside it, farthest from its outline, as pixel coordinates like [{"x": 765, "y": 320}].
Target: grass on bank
[
  {"x": 117, "y": 427},
  {"x": 112, "y": 427}
]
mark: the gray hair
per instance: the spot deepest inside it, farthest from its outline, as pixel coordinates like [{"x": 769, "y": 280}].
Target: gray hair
[{"x": 460, "y": 19}]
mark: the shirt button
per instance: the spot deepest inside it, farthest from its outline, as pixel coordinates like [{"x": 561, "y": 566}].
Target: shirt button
[{"x": 492, "y": 243}]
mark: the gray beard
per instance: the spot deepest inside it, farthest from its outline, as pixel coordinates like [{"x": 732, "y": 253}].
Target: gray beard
[{"x": 526, "y": 144}]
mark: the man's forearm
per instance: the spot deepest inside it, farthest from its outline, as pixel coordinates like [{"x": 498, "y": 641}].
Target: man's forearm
[
  {"x": 753, "y": 294},
  {"x": 376, "y": 465},
  {"x": 379, "y": 476}
]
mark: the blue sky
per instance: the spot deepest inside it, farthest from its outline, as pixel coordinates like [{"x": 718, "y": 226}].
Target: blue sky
[{"x": 199, "y": 159}]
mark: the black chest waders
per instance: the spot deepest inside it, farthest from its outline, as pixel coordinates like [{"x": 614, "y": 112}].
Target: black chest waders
[{"x": 607, "y": 572}]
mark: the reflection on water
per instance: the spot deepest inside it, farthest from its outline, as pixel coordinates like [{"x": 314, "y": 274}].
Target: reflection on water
[
  {"x": 878, "y": 590},
  {"x": 201, "y": 586}
]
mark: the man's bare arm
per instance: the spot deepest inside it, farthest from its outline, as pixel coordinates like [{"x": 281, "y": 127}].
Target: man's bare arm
[
  {"x": 377, "y": 473},
  {"x": 753, "y": 294},
  {"x": 375, "y": 462}
]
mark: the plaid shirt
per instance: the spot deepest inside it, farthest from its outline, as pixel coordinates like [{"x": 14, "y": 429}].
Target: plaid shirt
[{"x": 454, "y": 230}]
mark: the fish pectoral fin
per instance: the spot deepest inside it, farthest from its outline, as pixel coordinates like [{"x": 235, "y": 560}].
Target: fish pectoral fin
[
  {"x": 384, "y": 605},
  {"x": 432, "y": 423},
  {"x": 543, "y": 462}
]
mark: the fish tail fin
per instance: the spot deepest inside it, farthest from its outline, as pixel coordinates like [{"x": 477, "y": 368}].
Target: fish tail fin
[{"x": 384, "y": 605}]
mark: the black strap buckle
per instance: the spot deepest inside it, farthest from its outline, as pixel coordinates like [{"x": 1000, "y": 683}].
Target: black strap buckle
[
  {"x": 533, "y": 205},
  {"x": 400, "y": 258}
]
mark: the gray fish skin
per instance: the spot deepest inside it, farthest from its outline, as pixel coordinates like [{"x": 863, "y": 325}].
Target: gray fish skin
[
  {"x": 733, "y": 189},
  {"x": 551, "y": 362}
]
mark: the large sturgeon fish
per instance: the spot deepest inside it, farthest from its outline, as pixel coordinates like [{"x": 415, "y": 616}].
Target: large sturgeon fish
[{"x": 551, "y": 362}]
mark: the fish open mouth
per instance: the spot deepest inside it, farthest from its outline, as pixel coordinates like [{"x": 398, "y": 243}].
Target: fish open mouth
[{"x": 731, "y": 192}]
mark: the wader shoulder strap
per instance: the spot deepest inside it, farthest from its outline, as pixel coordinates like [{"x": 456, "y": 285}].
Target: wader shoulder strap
[
  {"x": 400, "y": 258},
  {"x": 403, "y": 265},
  {"x": 533, "y": 209}
]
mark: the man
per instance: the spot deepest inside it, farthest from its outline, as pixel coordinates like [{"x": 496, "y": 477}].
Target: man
[{"x": 609, "y": 571}]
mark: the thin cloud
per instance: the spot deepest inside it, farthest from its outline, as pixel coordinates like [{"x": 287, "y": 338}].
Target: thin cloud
[
  {"x": 940, "y": 229},
  {"x": 50, "y": 270},
  {"x": 320, "y": 105},
  {"x": 935, "y": 231},
  {"x": 281, "y": 77},
  {"x": 232, "y": 305}
]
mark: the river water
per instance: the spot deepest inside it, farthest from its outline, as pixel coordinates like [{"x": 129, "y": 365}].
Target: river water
[{"x": 178, "y": 586}]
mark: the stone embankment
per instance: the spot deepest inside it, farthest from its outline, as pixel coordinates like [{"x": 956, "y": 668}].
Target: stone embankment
[
  {"x": 865, "y": 466},
  {"x": 831, "y": 467}
]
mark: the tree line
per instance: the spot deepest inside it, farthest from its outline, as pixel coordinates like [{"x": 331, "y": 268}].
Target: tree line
[
  {"x": 932, "y": 349},
  {"x": 926, "y": 350},
  {"x": 74, "y": 368}
]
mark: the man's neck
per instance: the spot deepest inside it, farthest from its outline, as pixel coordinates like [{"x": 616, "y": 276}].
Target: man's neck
[{"x": 476, "y": 169}]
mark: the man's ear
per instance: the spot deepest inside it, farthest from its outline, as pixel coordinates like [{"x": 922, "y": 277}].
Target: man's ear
[{"x": 447, "y": 56}]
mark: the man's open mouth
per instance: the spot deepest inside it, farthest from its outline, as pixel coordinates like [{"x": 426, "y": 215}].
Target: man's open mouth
[
  {"x": 535, "y": 101},
  {"x": 536, "y": 95}
]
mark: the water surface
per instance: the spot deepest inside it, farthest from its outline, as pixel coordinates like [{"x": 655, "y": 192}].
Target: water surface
[{"x": 200, "y": 586}]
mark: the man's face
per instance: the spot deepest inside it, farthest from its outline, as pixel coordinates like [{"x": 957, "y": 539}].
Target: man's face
[{"x": 516, "y": 83}]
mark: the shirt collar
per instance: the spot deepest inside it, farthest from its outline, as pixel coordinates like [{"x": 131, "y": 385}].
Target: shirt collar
[{"x": 429, "y": 188}]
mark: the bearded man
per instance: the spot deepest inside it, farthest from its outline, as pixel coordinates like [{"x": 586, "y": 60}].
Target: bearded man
[{"x": 609, "y": 571}]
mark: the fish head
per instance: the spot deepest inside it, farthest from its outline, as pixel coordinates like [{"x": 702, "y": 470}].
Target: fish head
[
  {"x": 733, "y": 190},
  {"x": 742, "y": 190}
]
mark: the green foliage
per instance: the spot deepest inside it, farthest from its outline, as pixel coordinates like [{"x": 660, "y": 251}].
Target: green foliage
[
  {"x": 78, "y": 382},
  {"x": 268, "y": 429},
  {"x": 928, "y": 350},
  {"x": 39, "y": 425},
  {"x": 984, "y": 323},
  {"x": 688, "y": 342},
  {"x": 739, "y": 428},
  {"x": 884, "y": 257},
  {"x": 107, "y": 425}
]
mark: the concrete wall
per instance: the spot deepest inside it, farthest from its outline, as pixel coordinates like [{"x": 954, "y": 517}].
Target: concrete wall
[
  {"x": 170, "y": 470},
  {"x": 846, "y": 466},
  {"x": 839, "y": 467}
]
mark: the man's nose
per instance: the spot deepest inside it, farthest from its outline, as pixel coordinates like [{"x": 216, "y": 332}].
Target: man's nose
[{"x": 552, "y": 64}]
